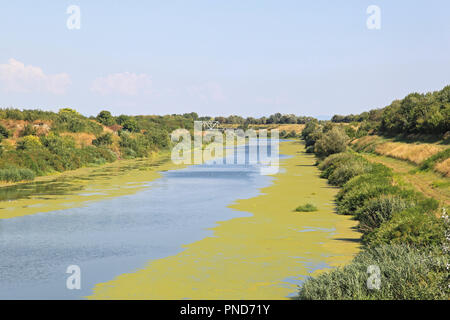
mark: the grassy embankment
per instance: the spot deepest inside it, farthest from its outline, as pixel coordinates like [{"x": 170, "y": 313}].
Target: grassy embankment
[
  {"x": 398, "y": 206},
  {"x": 39, "y": 143},
  {"x": 424, "y": 166}
]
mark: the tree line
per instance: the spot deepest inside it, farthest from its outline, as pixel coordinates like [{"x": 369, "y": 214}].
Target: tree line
[{"x": 417, "y": 113}]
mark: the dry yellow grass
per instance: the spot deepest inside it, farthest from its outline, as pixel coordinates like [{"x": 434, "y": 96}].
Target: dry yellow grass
[
  {"x": 443, "y": 167},
  {"x": 81, "y": 138},
  {"x": 415, "y": 153},
  {"x": 16, "y": 127}
]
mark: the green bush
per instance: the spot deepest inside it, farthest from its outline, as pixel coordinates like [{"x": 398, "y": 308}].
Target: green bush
[
  {"x": 375, "y": 177},
  {"x": 28, "y": 143},
  {"x": 306, "y": 208},
  {"x": 333, "y": 141},
  {"x": 130, "y": 125},
  {"x": 406, "y": 273},
  {"x": 412, "y": 226},
  {"x": 71, "y": 121},
  {"x": 16, "y": 174},
  {"x": 103, "y": 140},
  {"x": 356, "y": 197},
  {"x": 105, "y": 118},
  {"x": 380, "y": 209},
  {"x": 348, "y": 170},
  {"x": 4, "y": 133},
  {"x": 333, "y": 161},
  {"x": 28, "y": 130}
]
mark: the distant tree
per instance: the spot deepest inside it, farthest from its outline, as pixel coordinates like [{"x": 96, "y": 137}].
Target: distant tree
[
  {"x": 130, "y": 125},
  {"x": 122, "y": 118},
  {"x": 105, "y": 118}
]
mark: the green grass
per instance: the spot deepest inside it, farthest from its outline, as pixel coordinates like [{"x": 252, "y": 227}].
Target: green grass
[
  {"x": 309, "y": 207},
  {"x": 406, "y": 273},
  {"x": 16, "y": 174},
  {"x": 401, "y": 235},
  {"x": 429, "y": 163}
]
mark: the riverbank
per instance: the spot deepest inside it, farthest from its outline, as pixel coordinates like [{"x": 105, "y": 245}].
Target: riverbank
[
  {"x": 262, "y": 256},
  {"x": 79, "y": 187}
]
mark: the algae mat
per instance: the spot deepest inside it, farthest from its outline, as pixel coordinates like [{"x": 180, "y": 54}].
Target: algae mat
[
  {"x": 263, "y": 256},
  {"x": 82, "y": 186}
]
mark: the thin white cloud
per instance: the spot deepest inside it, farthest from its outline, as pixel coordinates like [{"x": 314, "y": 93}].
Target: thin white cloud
[
  {"x": 15, "y": 76},
  {"x": 125, "y": 83},
  {"x": 206, "y": 92}
]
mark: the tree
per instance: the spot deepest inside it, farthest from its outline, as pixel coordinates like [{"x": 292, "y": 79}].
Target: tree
[
  {"x": 334, "y": 141},
  {"x": 105, "y": 118},
  {"x": 130, "y": 125}
]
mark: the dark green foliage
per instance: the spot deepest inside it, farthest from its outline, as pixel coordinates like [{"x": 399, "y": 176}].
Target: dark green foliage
[
  {"x": 311, "y": 133},
  {"x": 103, "y": 140},
  {"x": 406, "y": 273},
  {"x": 306, "y": 208},
  {"x": 4, "y": 133},
  {"x": 416, "y": 114},
  {"x": 122, "y": 118},
  {"x": 276, "y": 118},
  {"x": 130, "y": 125},
  {"x": 105, "y": 118}
]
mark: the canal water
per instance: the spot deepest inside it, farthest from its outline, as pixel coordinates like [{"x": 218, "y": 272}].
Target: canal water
[{"x": 111, "y": 237}]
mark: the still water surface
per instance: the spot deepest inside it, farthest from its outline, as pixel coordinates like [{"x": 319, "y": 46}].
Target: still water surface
[{"x": 115, "y": 236}]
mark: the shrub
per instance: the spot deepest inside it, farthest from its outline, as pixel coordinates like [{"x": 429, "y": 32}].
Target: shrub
[
  {"x": 356, "y": 197},
  {"x": 105, "y": 118},
  {"x": 334, "y": 160},
  {"x": 72, "y": 121},
  {"x": 334, "y": 141},
  {"x": 348, "y": 170},
  {"x": 4, "y": 133},
  {"x": 306, "y": 208},
  {"x": 16, "y": 174},
  {"x": 28, "y": 142},
  {"x": 103, "y": 140},
  {"x": 130, "y": 125},
  {"x": 406, "y": 273},
  {"x": 412, "y": 226},
  {"x": 311, "y": 133},
  {"x": 378, "y": 210},
  {"x": 28, "y": 130}
]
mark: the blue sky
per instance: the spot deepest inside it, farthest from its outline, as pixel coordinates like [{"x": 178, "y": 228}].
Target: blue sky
[{"x": 247, "y": 57}]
